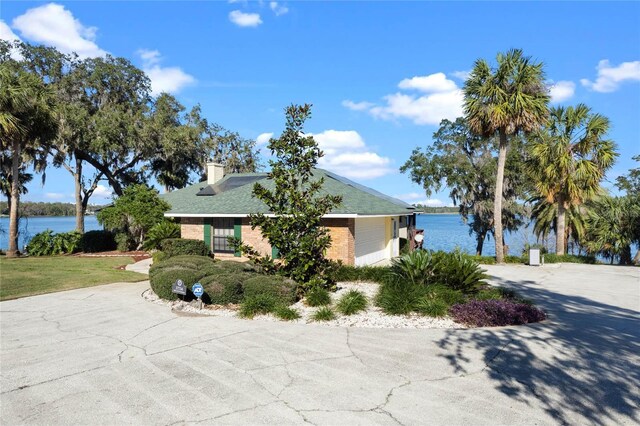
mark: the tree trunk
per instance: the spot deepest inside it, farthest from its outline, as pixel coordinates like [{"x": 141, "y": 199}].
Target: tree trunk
[
  {"x": 497, "y": 200},
  {"x": 480, "y": 243},
  {"x": 77, "y": 176},
  {"x": 560, "y": 227},
  {"x": 636, "y": 258},
  {"x": 15, "y": 199},
  {"x": 625, "y": 256}
]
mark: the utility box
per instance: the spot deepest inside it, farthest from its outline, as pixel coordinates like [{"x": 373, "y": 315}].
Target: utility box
[{"x": 534, "y": 257}]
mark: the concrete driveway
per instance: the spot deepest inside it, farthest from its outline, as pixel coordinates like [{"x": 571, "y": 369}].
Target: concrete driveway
[{"x": 103, "y": 355}]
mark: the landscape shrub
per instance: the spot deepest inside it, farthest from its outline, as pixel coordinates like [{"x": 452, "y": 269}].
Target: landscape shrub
[
  {"x": 569, "y": 258},
  {"x": 159, "y": 256},
  {"x": 431, "y": 307},
  {"x": 161, "y": 282},
  {"x": 47, "y": 243},
  {"x": 445, "y": 294},
  {"x": 195, "y": 263},
  {"x": 351, "y": 302},
  {"x": 493, "y": 313},
  {"x": 125, "y": 242},
  {"x": 281, "y": 289},
  {"x": 346, "y": 273},
  {"x": 323, "y": 314},
  {"x": 457, "y": 271},
  {"x": 286, "y": 313},
  {"x": 317, "y": 296},
  {"x": 418, "y": 267},
  {"x": 181, "y": 246},
  {"x": 257, "y": 304},
  {"x": 98, "y": 241},
  {"x": 399, "y": 297},
  {"x": 516, "y": 259},
  {"x": 222, "y": 289},
  {"x": 160, "y": 232}
]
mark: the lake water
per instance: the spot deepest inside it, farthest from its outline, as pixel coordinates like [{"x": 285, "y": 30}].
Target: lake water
[
  {"x": 442, "y": 232},
  {"x": 30, "y": 226}
]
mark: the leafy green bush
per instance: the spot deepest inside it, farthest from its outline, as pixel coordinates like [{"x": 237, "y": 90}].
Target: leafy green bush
[
  {"x": 485, "y": 260},
  {"x": 160, "y": 232},
  {"x": 180, "y": 246},
  {"x": 318, "y": 296},
  {"x": 431, "y": 307},
  {"x": 47, "y": 243},
  {"x": 257, "y": 304},
  {"x": 568, "y": 258},
  {"x": 124, "y": 242},
  {"x": 159, "y": 256},
  {"x": 196, "y": 263},
  {"x": 282, "y": 290},
  {"x": 161, "y": 282},
  {"x": 399, "y": 297},
  {"x": 417, "y": 267},
  {"x": 343, "y": 273},
  {"x": 457, "y": 271},
  {"x": 285, "y": 313},
  {"x": 445, "y": 294},
  {"x": 222, "y": 289},
  {"x": 323, "y": 314},
  {"x": 516, "y": 259},
  {"x": 491, "y": 293},
  {"x": 352, "y": 302},
  {"x": 98, "y": 241}
]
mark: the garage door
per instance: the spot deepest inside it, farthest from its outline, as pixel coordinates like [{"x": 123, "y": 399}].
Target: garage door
[{"x": 370, "y": 241}]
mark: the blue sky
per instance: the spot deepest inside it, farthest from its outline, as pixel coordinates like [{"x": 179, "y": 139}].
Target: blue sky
[{"x": 380, "y": 75}]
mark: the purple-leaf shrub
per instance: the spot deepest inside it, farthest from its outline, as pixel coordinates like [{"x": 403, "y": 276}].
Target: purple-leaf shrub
[{"x": 494, "y": 313}]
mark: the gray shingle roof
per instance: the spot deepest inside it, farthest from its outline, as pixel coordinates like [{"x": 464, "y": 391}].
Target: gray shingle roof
[{"x": 356, "y": 199}]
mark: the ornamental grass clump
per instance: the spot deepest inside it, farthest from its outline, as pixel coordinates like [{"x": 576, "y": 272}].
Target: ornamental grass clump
[
  {"x": 318, "y": 296},
  {"x": 494, "y": 313},
  {"x": 256, "y": 305},
  {"x": 324, "y": 314},
  {"x": 286, "y": 314},
  {"x": 352, "y": 302}
]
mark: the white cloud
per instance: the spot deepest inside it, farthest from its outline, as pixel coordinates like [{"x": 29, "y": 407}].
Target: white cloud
[
  {"x": 242, "y": 19},
  {"x": 461, "y": 75},
  {"x": 434, "y": 83},
  {"x": 8, "y": 35},
  {"x": 53, "y": 25},
  {"x": 163, "y": 79},
  {"x": 441, "y": 99},
  {"x": 347, "y": 154},
  {"x": 427, "y": 109},
  {"x": 357, "y": 106},
  {"x": 277, "y": 8},
  {"x": 561, "y": 91},
  {"x": 103, "y": 192},
  {"x": 263, "y": 138},
  {"x": 610, "y": 77}
]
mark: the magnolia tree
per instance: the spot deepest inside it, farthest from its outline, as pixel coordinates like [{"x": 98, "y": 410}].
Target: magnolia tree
[{"x": 293, "y": 197}]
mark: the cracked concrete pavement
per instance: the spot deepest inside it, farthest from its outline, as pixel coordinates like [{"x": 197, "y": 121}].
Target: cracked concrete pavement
[{"x": 103, "y": 355}]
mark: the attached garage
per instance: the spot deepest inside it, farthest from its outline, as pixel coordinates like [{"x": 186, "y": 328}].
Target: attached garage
[{"x": 370, "y": 240}]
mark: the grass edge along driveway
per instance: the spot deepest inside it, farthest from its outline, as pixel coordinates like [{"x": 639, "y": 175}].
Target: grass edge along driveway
[{"x": 30, "y": 276}]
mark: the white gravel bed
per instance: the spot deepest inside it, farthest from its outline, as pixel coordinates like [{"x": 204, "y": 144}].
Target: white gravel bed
[{"x": 372, "y": 317}]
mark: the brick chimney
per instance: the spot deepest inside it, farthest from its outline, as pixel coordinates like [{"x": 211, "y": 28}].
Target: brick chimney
[{"x": 215, "y": 172}]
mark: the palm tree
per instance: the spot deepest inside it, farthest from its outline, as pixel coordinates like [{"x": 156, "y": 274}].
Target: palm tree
[
  {"x": 26, "y": 126},
  {"x": 569, "y": 158},
  {"x": 506, "y": 100},
  {"x": 544, "y": 213},
  {"x": 610, "y": 224}
]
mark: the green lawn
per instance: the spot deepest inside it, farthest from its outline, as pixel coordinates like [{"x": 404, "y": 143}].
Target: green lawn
[{"x": 37, "y": 275}]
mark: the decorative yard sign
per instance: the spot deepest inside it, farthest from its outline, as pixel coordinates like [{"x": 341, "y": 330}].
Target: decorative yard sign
[
  {"x": 179, "y": 288},
  {"x": 198, "y": 291}
]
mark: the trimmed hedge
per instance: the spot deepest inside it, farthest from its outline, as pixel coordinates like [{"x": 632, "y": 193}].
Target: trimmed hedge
[
  {"x": 377, "y": 274},
  {"x": 196, "y": 263},
  {"x": 162, "y": 282},
  {"x": 98, "y": 241},
  {"x": 223, "y": 289},
  {"x": 280, "y": 288},
  {"x": 180, "y": 246}
]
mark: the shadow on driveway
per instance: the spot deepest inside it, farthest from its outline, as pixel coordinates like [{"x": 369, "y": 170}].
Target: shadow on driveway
[{"x": 583, "y": 363}]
